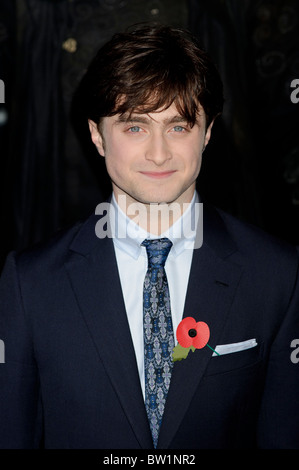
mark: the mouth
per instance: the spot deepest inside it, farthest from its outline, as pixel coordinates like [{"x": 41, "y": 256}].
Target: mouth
[{"x": 158, "y": 174}]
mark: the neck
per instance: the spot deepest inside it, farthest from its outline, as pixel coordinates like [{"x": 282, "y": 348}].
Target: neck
[{"x": 154, "y": 218}]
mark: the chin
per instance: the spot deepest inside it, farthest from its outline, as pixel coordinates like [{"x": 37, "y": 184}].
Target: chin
[{"x": 158, "y": 199}]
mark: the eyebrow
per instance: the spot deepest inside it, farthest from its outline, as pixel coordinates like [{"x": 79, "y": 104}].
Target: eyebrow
[{"x": 144, "y": 120}]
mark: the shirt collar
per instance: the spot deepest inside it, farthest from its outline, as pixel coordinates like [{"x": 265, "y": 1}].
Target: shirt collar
[{"x": 128, "y": 236}]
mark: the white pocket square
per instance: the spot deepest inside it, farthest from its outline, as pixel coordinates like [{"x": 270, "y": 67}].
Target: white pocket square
[{"x": 234, "y": 347}]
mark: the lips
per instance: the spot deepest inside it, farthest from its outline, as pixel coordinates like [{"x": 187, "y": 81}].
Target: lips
[{"x": 158, "y": 174}]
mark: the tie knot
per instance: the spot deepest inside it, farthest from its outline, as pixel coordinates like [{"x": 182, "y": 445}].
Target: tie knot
[{"x": 157, "y": 251}]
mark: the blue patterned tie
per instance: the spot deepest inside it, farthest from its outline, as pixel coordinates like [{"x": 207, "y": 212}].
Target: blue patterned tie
[{"x": 158, "y": 333}]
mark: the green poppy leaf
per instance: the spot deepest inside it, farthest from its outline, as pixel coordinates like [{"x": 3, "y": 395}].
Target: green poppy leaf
[{"x": 180, "y": 353}]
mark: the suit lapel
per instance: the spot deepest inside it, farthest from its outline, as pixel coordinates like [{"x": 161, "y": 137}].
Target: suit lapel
[
  {"x": 212, "y": 284},
  {"x": 95, "y": 282}
]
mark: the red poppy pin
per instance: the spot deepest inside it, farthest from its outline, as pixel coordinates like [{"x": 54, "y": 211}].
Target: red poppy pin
[{"x": 191, "y": 335}]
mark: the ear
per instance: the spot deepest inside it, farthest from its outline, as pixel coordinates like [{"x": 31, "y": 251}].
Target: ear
[
  {"x": 208, "y": 134},
  {"x": 96, "y": 137}
]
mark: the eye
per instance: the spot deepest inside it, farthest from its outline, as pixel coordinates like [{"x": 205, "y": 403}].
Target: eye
[
  {"x": 179, "y": 129},
  {"x": 134, "y": 129}
]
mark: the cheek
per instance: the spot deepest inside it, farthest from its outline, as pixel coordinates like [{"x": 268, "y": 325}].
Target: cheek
[
  {"x": 117, "y": 160},
  {"x": 190, "y": 152},
  {"x": 193, "y": 161}
]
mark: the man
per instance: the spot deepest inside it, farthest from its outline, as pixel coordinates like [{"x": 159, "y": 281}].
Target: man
[{"x": 90, "y": 320}]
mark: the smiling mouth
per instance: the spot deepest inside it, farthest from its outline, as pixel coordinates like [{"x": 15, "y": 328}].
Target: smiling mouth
[{"x": 158, "y": 174}]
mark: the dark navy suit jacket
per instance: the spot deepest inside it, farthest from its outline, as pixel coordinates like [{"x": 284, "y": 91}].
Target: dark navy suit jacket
[{"x": 70, "y": 377}]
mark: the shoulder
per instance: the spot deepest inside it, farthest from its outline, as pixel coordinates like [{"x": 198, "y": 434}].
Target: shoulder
[
  {"x": 52, "y": 253},
  {"x": 246, "y": 244},
  {"x": 250, "y": 239},
  {"x": 266, "y": 260}
]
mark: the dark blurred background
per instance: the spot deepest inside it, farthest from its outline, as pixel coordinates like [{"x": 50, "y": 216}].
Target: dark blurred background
[{"x": 51, "y": 176}]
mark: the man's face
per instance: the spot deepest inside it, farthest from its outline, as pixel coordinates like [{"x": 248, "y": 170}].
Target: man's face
[{"x": 152, "y": 158}]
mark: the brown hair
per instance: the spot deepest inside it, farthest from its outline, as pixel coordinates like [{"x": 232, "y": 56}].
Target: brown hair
[{"x": 150, "y": 68}]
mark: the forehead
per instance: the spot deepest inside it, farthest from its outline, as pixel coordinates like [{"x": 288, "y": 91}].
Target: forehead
[{"x": 162, "y": 115}]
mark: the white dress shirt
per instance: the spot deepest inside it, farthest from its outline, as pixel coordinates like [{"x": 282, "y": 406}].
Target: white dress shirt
[{"x": 132, "y": 266}]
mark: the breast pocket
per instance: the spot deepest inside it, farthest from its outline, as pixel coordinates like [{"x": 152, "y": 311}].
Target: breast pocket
[{"x": 236, "y": 360}]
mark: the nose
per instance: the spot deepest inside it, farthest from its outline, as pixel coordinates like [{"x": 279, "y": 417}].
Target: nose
[{"x": 157, "y": 150}]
